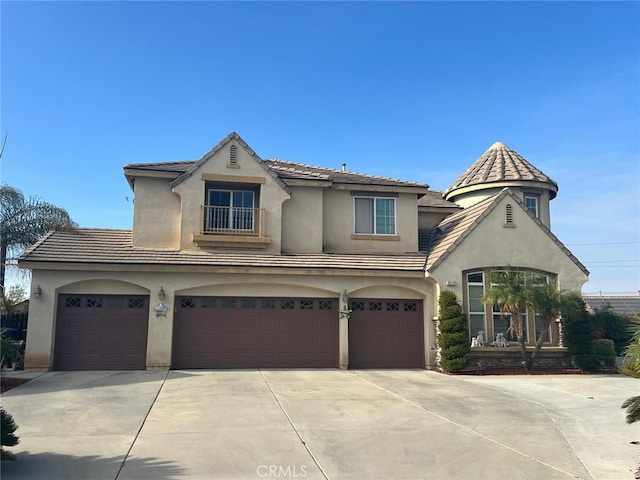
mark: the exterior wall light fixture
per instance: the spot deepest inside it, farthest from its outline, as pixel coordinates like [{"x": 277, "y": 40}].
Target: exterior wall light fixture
[
  {"x": 344, "y": 311},
  {"x": 161, "y": 294},
  {"x": 37, "y": 293}
]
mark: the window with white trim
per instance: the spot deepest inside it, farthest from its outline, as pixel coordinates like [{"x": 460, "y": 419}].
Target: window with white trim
[
  {"x": 531, "y": 203},
  {"x": 476, "y": 308},
  {"x": 375, "y": 215}
]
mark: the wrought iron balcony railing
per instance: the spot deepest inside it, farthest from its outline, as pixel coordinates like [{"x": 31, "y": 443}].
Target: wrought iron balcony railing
[{"x": 233, "y": 221}]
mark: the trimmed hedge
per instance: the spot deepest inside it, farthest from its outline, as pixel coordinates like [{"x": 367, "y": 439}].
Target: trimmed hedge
[
  {"x": 578, "y": 337},
  {"x": 453, "y": 338}
]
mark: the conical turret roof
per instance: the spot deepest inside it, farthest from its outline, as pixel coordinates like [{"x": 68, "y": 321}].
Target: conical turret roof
[{"x": 500, "y": 166}]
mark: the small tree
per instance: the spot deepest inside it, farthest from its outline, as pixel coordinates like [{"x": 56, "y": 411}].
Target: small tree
[
  {"x": 10, "y": 351},
  {"x": 513, "y": 293},
  {"x": 12, "y": 299},
  {"x": 549, "y": 303},
  {"x": 578, "y": 337},
  {"x": 631, "y": 367},
  {"x": 454, "y": 334},
  {"x": 9, "y": 439}
]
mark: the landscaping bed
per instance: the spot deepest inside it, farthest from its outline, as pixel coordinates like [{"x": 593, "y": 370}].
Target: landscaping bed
[{"x": 7, "y": 383}]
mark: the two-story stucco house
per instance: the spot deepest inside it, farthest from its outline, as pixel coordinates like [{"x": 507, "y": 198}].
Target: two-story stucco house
[{"x": 235, "y": 261}]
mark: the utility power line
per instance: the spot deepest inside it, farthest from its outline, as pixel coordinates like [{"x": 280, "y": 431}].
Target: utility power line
[{"x": 604, "y": 243}]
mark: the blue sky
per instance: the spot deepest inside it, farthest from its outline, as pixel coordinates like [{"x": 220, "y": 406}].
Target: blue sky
[{"x": 415, "y": 90}]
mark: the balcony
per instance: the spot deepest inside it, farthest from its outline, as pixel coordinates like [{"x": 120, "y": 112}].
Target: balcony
[{"x": 233, "y": 227}]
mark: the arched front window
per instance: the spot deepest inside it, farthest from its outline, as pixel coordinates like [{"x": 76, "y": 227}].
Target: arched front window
[{"x": 489, "y": 321}]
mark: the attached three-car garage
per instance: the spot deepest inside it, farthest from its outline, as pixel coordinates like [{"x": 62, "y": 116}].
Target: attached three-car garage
[{"x": 109, "y": 332}]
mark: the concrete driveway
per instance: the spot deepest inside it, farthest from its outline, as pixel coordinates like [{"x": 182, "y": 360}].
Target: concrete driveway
[{"x": 319, "y": 424}]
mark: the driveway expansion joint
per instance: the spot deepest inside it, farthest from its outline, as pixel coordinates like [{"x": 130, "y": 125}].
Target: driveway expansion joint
[
  {"x": 295, "y": 429},
  {"x": 135, "y": 438}
]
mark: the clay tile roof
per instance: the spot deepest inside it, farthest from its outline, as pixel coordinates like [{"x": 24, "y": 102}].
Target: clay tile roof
[
  {"x": 451, "y": 231},
  {"x": 622, "y": 305},
  {"x": 178, "y": 167},
  {"x": 433, "y": 198},
  {"x": 291, "y": 170},
  {"x": 112, "y": 250},
  {"x": 500, "y": 164}
]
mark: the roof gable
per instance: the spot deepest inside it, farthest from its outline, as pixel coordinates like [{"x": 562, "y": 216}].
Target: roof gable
[
  {"x": 232, "y": 137},
  {"x": 452, "y": 231}
]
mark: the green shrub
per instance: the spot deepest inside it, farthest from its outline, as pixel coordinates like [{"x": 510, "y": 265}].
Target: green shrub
[
  {"x": 451, "y": 311},
  {"x": 455, "y": 364},
  {"x": 454, "y": 334},
  {"x": 451, "y": 340},
  {"x": 9, "y": 439},
  {"x": 578, "y": 334},
  {"x": 455, "y": 351},
  {"x": 10, "y": 350},
  {"x": 608, "y": 324},
  {"x": 454, "y": 324},
  {"x": 585, "y": 361},
  {"x": 605, "y": 352}
]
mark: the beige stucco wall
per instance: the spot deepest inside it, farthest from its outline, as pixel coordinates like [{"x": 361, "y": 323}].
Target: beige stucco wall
[
  {"x": 156, "y": 214},
  {"x": 302, "y": 221},
  {"x": 429, "y": 219},
  {"x": 42, "y": 314},
  {"x": 339, "y": 225}
]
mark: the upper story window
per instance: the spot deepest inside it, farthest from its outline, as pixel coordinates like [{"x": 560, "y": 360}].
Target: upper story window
[
  {"x": 230, "y": 210},
  {"x": 375, "y": 215},
  {"x": 531, "y": 202}
]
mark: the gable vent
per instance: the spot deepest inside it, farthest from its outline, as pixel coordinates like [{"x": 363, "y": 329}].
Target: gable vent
[
  {"x": 233, "y": 155},
  {"x": 509, "y": 216}
]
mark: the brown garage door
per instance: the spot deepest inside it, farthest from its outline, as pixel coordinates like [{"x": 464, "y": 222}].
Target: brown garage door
[
  {"x": 243, "y": 332},
  {"x": 386, "y": 334},
  {"x": 101, "y": 332}
]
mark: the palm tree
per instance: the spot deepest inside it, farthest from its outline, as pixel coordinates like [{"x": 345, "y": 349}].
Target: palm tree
[
  {"x": 550, "y": 303},
  {"x": 631, "y": 367},
  {"x": 23, "y": 222},
  {"x": 513, "y": 293}
]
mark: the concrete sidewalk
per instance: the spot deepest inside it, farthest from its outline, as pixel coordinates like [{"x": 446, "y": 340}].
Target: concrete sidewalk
[{"x": 318, "y": 424}]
